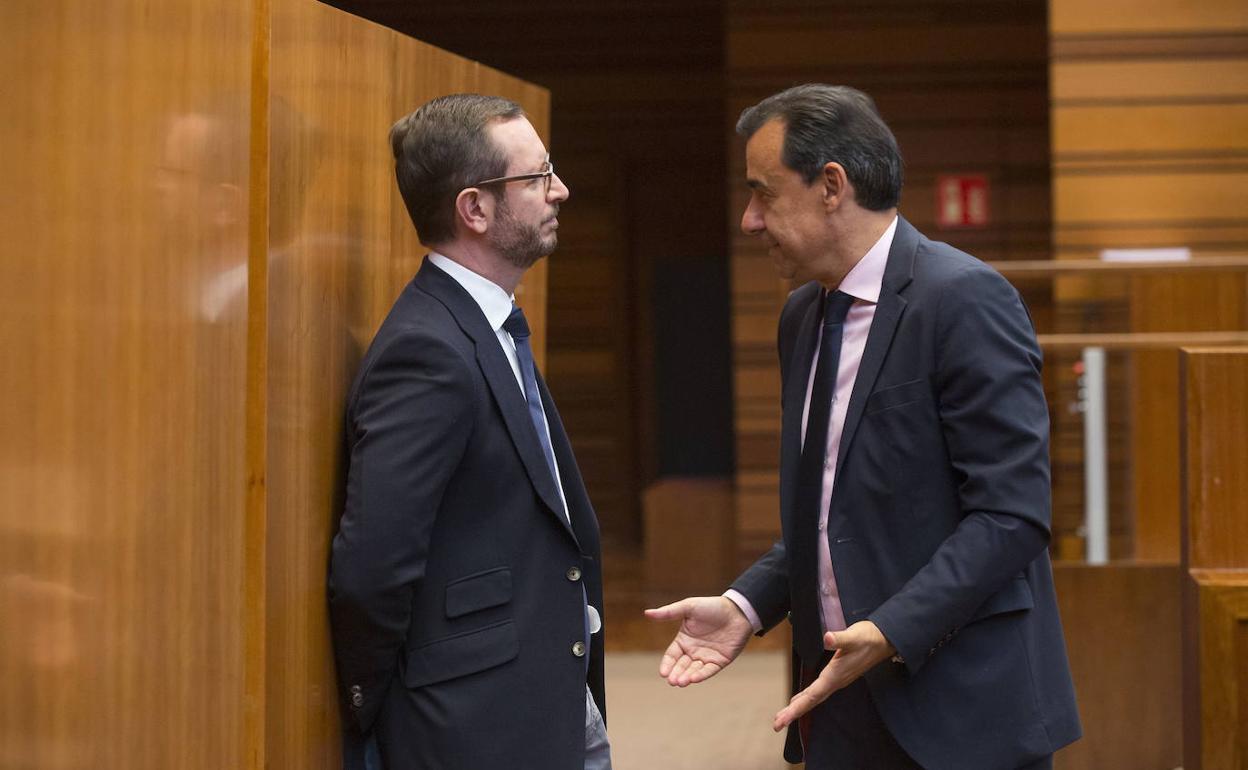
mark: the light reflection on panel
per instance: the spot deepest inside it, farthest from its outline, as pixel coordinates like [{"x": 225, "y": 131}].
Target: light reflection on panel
[
  {"x": 123, "y": 149},
  {"x": 329, "y": 204},
  {"x": 341, "y": 249}
]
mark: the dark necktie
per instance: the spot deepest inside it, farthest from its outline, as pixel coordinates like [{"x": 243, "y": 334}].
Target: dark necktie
[
  {"x": 803, "y": 558},
  {"x": 518, "y": 328}
]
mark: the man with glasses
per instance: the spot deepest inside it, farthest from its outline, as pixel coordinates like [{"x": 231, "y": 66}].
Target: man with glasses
[{"x": 466, "y": 578}]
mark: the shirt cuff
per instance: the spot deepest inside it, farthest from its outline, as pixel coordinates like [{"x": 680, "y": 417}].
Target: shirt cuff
[{"x": 747, "y": 609}]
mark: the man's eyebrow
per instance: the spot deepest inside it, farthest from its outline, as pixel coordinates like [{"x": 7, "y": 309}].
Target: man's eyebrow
[{"x": 755, "y": 184}]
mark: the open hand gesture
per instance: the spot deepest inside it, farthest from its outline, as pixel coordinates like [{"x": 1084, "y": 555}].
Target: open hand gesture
[{"x": 713, "y": 631}]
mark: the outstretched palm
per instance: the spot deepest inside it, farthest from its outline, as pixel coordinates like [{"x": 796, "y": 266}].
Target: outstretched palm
[{"x": 712, "y": 633}]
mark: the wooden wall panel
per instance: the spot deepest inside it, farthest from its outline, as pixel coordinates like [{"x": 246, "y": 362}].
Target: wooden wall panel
[
  {"x": 341, "y": 249},
  {"x": 1215, "y": 301},
  {"x": 1150, "y": 149},
  {"x": 124, "y": 137},
  {"x": 202, "y": 236},
  {"x": 1215, "y": 456},
  {"x": 1122, "y": 630},
  {"x": 1154, "y": 16},
  {"x": 964, "y": 87},
  {"x": 331, "y": 277},
  {"x": 1215, "y": 558},
  {"x": 688, "y": 510}
]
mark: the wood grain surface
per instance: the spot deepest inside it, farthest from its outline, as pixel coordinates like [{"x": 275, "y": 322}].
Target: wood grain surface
[{"x": 202, "y": 234}]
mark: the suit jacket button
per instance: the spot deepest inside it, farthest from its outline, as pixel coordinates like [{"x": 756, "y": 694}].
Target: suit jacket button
[
  {"x": 574, "y": 574},
  {"x": 578, "y": 649},
  {"x": 357, "y": 699}
]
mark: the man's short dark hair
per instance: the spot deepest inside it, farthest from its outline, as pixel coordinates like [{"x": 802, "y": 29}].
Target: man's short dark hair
[
  {"x": 440, "y": 149},
  {"x": 834, "y": 124}
]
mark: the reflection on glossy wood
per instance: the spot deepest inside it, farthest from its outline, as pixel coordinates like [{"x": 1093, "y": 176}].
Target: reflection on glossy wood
[
  {"x": 124, "y": 130},
  {"x": 341, "y": 249},
  {"x": 329, "y": 277},
  {"x": 177, "y": 361}
]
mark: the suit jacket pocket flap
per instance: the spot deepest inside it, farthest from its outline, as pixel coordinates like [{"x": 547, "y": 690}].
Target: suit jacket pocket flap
[
  {"x": 478, "y": 592},
  {"x": 1016, "y": 595},
  {"x": 462, "y": 654},
  {"x": 898, "y": 395}
]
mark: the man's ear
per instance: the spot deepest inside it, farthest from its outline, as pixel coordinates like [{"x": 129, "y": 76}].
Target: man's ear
[
  {"x": 836, "y": 187},
  {"x": 474, "y": 209}
]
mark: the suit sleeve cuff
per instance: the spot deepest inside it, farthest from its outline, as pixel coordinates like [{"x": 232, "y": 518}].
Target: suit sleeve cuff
[{"x": 747, "y": 609}]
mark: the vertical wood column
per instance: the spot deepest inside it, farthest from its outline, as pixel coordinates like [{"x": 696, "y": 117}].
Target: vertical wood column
[{"x": 1215, "y": 559}]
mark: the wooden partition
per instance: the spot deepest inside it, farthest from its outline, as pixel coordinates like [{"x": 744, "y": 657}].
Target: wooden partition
[
  {"x": 201, "y": 234},
  {"x": 1122, "y": 629},
  {"x": 1215, "y": 559},
  {"x": 689, "y": 548},
  {"x": 341, "y": 248},
  {"x": 126, "y": 587}
]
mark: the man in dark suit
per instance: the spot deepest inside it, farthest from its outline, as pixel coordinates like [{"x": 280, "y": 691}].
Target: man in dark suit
[
  {"x": 914, "y": 474},
  {"x": 466, "y": 579}
]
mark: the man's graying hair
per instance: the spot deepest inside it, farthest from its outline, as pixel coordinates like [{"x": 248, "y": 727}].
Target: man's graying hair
[
  {"x": 440, "y": 149},
  {"x": 834, "y": 124}
]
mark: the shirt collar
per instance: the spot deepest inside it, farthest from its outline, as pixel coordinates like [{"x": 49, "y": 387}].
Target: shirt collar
[
  {"x": 867, "y": 277},
  {"x": 495, "y": 303}
]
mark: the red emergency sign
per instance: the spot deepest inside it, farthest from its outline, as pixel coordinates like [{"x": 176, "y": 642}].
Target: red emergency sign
[{"x": 962, "y": 200}]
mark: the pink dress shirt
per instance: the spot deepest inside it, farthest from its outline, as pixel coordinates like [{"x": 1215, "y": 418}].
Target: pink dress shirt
[{"x": 862, "y": 283}]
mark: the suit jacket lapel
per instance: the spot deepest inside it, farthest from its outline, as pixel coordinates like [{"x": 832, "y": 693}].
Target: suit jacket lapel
[
  {"x": 515, "y": 409},
  {"x": 797, "y": 376},
  {"x": 573, "y": 486},
  {"x": 897, "y": 275},
  {"x": 500, "y": 377}
]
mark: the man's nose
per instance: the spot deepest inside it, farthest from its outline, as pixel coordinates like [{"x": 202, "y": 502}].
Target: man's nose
[
  {"x": 559, "y": 191},
  {"x": 751, "y": 219}
]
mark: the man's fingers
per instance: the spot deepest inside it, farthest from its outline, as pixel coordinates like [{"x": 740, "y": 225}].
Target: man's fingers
[
  {"x": 704, "y": 672},
  {"x": 804, "y": 701},
  {"x": 678, "y": 671},
  {"x": 671, "y": 611},
  {"x": 670, "y": 656},
  {"x": 689, "y": 672},
  {"x": 799, "y": 706}
]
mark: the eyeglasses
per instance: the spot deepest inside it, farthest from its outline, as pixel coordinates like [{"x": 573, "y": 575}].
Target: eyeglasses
[{"x": 547, "y": 173}]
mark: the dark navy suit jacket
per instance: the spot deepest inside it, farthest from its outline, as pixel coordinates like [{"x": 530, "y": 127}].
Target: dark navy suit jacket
[
  {"x": 455, "y": 581},
  {"x": 939, "y": 518}
]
